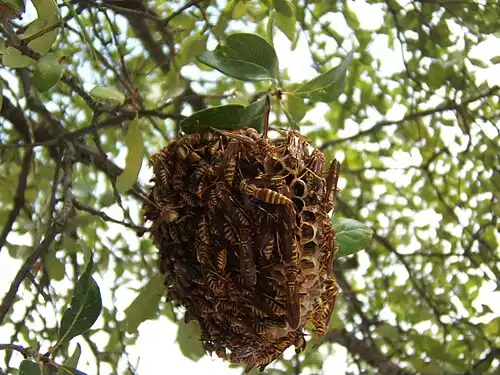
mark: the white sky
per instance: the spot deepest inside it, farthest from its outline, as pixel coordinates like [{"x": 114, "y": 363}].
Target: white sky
[{"x": 156, "y": 344}]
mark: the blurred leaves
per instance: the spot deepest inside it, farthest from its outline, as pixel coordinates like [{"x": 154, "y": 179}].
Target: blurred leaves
[
  {"x": 285, "y": 17},
  {"x": 188, "y": 339},
  {"x": 145, "y": 305},
  {"x": 28, "y": 367},
  {"x": 133, "y": 162},
  {"x": 48, "y": 71},
  {"x": 107, "y": 94}
]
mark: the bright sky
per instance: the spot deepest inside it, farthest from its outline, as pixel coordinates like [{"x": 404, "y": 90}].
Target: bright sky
[{"x": 156, "y": 349}]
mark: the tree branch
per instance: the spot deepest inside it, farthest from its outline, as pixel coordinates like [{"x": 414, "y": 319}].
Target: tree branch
[
  {"x": 83, "y": 207},
  {"x": 368, "y": 353},
  {"x": 447, "y": 106}
]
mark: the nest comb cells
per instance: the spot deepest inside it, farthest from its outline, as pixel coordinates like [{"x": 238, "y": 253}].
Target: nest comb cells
[{"x": 245, "y": 242}]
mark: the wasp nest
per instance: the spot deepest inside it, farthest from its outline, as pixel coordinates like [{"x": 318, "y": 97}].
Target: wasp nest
[{"x": 246, "y": 245}]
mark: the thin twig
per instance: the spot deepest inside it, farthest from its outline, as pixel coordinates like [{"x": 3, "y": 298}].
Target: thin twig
[{"x": 83, "y": 207}]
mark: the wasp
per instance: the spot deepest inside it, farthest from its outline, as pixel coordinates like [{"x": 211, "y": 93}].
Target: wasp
[
  {"x": 228, "y": 162},
  {"x": 323, "y": 311},
  {"x": 221, "y": 260},
  {"x": 267, "y": 251},
  {"x": 169, "y": 215},
  {"x": 225, "y": 306},
  {"x": 230, "y": 171},
  {"x": 189, "y": 199},
  {"x": 276, "y": 307},
  {"x": 316, "y": 162},
  {"x": 236, "y": 135},
  {"x": 229, "y": 233},
  {"x": 285, "y": 245},
  {"x": 292, "y": 303},
  {"x": 230, "y": 206},
  {"x": 252, "y": 133},
  {"x": 237, "y": 326},
  {"x": 264, "y": 194},
  {"x": 193, "y": 157},
  {"x": 256, "y": 311},
  {"x": 332, "y": 178},
  {"x": 164, "y": 174},
  {"x": 182, "y": 152},
  {"x": 202, "y": 253},
  {"x": 189, "y": 139},
  {"x": 203, "y": 230},
  {"x": 201, "y": 170},
  {"x": 214, "y": 282},
  {"x": 202, "y": 306},
  {"x": 247, "y": 265},
  {"x": 214, "y": 147},
  {"x": 328, "y": 248},
  {"x": 173, "y": 232}
]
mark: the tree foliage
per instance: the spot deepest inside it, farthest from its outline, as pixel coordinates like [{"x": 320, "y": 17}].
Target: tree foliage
[{"x": 90, "y": 89}]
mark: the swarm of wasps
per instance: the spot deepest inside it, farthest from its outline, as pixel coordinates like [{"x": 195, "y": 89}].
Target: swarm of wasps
[{"x": 246, "y": 245}]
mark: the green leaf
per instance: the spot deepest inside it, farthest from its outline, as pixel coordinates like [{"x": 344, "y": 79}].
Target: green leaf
[
  {"x": 436, "y": 350},
  {"x": 424, "y": 368},
  {"x": 28, "y": 367},
  {"x": 191, "y": 48},
  {"x": 332, "y": 79},
  {"x": 1, "y": 98},
  {"x": 477, "y": 62},
  {"x": 227, "y": 117},
  {"x": 352, "y": 236},
  {"x": 188, "y": 338},
  {"x": 436, "y": 74},
  {"x": 48, "y": 19},
  {"x": 46, "y": 8},
  {"x": 133, "y": 162},
  {"x": 13, "y": 58},
  {"x": 387, "y": 330},
  {"x": 55, "y": 268},
  {"x": 270, "y": 26},
  {"x": 285, "y": 17},
  {"x": 145, "y": 305},
  {"x": 291, "y": 122},
  {"x": 253, "y": 115},
  {"x": 173, "y": 86},
  {"x": 240, "y": 9},
  {"x": 84, "y": 309},
  {"x": 19, "y": 251},
  {"x": 296, "y": 107},
  {"x": 484, "y": 365},
  {"x": 247, "y": 57},
  {"x": 75, "y": 357},
  {"x": 70, "y": 365},
  {"x": 48, "y": 71},
  {"x": 495, "y": 59},
  {"x": 107, "y": 94},
  {"x": 66, "y": 370}
]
